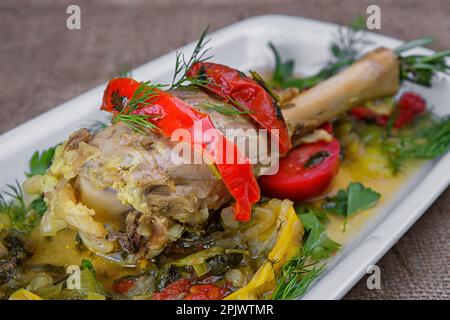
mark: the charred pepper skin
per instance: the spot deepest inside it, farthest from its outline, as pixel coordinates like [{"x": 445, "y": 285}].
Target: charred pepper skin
[{"x": 236, "y": 88}]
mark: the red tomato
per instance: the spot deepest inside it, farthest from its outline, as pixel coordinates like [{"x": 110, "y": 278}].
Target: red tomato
[
  {"x": 305, "y": 173},
  {"x": 174, "y": 291},
  {"x": 123, "y": 285},
  {"x": 188, "y": 289},
  {"x": 410, "y": 105},
  {"x": 206, "y": 292}
]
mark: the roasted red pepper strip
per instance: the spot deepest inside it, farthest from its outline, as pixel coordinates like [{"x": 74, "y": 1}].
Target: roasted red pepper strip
[
  {"x": 234, "y": 87},
  {"x": 189, "y": 289},
  {"x": 409, "y": 107},
  {"x": 169, "y": 113}
]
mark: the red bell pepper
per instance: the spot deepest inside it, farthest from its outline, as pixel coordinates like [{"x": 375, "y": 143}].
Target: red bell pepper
[
  {"x": 191, "y": 289},
  {"x": 234, "y": 87},
  {"x": 169, "y": 113},
  {"x": 409, "y": 106}
]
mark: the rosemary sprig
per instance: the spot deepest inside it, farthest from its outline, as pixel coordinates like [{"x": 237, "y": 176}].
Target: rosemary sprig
[
  {"x": 421, "y": 69},
  {"x": 424, "y": 41},
  {"x": 182, "y": 65}
]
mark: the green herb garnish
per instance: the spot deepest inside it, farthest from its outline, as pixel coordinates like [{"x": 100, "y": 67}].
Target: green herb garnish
[
  {"x": 182, "y": 65},
  {"x": 40, "y": 162},
  {"x": 296, "y": 277},
  {"x": 300, "y": 272},
  {"x": 427, "y": 138},
  {"x": 344, "y": 51},
  {"x": 145, "y": 94},
  {"x": 20, "y": 216},
  {"x": 223, "y": 108},
  {"x": 318, "y": 245},
  {"x": 354, "y": 199}
]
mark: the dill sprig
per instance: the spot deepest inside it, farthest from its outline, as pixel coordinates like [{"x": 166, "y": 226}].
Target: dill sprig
[
  {"x": 296, "y": 277},
  {"x": 427, "y": 138},
  {"x": 20, "y": 216},
  {"x": 182, "y": 65},
  {"x": 138, "y": 122},
  {"x": 223, "y": 108},
  {"x": 344, "y": 51},
  {"x": 145, "y": 94}
]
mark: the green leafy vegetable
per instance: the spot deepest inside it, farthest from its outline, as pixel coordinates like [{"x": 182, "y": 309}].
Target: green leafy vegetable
[
  {"x": 318, "y": 245},
  {"x": 40, "y": 162},
  {"x": 355, "y": 199}
]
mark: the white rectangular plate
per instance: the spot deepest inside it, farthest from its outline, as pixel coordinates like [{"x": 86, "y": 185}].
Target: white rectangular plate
[{"x": 244, "y": 45}]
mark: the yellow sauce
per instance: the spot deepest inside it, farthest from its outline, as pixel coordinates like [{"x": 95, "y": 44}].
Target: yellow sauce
[
  {"x": 61, "y": 250},
  {"x": 386, "y": 187}
]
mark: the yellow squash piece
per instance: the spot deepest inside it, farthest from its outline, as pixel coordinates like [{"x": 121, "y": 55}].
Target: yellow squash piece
[
  {"x": 23, "y": 294},
  {"x": 287, "y": 245}
]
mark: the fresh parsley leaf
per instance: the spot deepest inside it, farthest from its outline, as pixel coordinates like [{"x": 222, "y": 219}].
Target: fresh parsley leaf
[
  {"x": 40, "y": 162},
  {"x": 355, "y": 199},
  {"x": 317, "y": 244},
  {"x": 39, "y": 206},
  {"x": 360, "y": 198}
]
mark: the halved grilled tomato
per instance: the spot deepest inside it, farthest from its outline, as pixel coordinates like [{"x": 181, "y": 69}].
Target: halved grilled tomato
[{"x": 305, "y": 173}]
